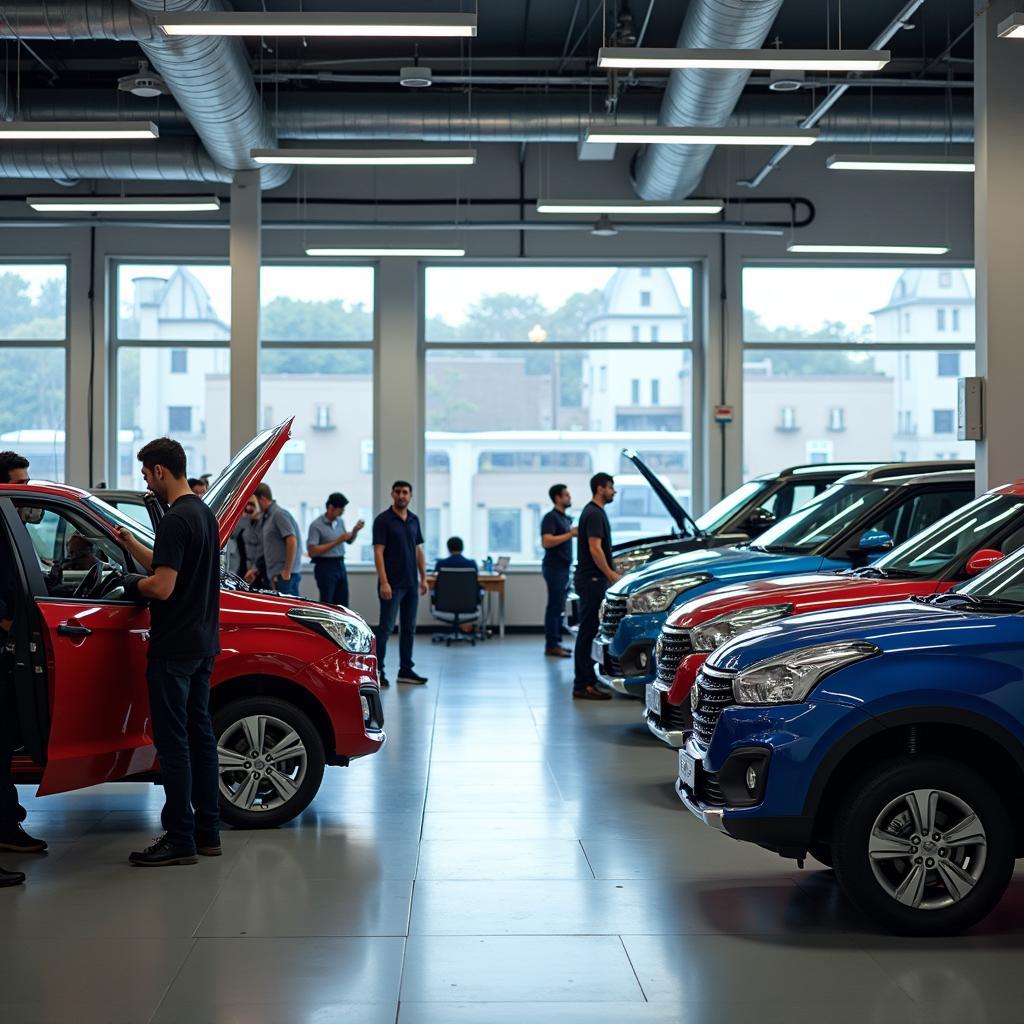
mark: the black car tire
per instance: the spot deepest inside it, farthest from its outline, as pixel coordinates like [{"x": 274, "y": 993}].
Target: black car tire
[
  {"x": 822, "y": 853},
  {"x": 872, "y": 795},
  {"x": 281, "y": 711}
]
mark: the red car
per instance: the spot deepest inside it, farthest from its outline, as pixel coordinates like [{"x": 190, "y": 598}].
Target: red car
[
  {"x": 961, "y": 545},
  {"x": 294, "y": 689}
]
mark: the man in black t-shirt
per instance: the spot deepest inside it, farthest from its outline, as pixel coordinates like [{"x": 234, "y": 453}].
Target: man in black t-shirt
[
  {"x": 594, "y": 573},
  {"x": 184, "y": 639},
  {"x": 556, "y": 536}
]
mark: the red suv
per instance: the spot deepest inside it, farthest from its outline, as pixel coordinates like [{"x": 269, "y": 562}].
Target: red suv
[{"x": 294, "y": 689}]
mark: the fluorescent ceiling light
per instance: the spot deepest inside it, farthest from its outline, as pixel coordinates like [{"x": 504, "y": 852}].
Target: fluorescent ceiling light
[
  {"x": 123, "y": 204},
  {"x": 645, "y": 58},
  {"x": 239, "y": 23},
  {"x": 365, "y": 251},
  {"x": 629, "y": 206},
  {"x": 368, "y": 157},
  {"x": 78, "y": 130},
  {"x": 887, "y": 250},
  {"x": 870, "y": 162},
  {"x": 1012, "y": 27},
  {"x": 662, "y": 135}
]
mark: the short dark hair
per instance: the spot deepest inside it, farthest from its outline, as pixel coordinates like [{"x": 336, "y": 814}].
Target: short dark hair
[
  {"x": 336, "y": 500},
  {"x": 455, "y": 545},
  {"x": 401, "y": 483},
  {"x": 263, "y": 491},
  {"x": 166, "y": 452},
  {"x": 556, "y": 489},
  {"x": 196, "y": 481},
  {"x": 9, "y": 461},
  {"x": 600, "y": 480}
]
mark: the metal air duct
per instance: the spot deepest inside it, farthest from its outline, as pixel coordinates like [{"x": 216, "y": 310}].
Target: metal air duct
[{"x": 166, "y": 160}]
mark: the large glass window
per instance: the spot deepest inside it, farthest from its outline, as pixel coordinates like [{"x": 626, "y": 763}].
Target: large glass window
[
  {"x": 316, "y": 303},
  {"x": 853, "y": 363},
  {"x": 553, "y": 390}
]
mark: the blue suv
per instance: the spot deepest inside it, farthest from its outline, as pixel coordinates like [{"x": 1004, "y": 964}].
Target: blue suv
[
  {"x": 887, "y": 742},
  {"x": 851, "y": 524}
]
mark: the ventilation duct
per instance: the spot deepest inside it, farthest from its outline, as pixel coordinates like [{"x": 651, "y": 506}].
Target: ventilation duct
[
  {"x": 701, "y": 98},
  {"x": 166, "y": 160}
]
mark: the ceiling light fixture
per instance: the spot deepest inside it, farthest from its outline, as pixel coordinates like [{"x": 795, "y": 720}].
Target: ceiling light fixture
[
  {"x": 368, "y": 157},
  {"x": 239, "y": 23},
  {"x": 123, "y": 204},
  {"x": 885, "y": 250},
  {"x": 365, "y": 251},
  {"x": 1011, "y": 27},
  {"x": 649, "y": 59},
  {"x": 667, "y": 135},
  {"x": 630, "y": 206},
  {"x": 871, "y": 162},
  {"x": 39, "y": 130}
]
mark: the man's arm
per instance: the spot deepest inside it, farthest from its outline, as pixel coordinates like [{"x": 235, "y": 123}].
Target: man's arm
[
  {"x": 291, "y": 545},
  {"x": 597, "y": 554},
  {"x": 316, "y": 550},
  {"x": 421, "y": 562},
  {"x": 552, "y": 540},
  {"x": 350, "y": 537},
  {"x": 138, "y": 550},
  {"x": 160, "y": 585},
  {"x": 382, "y": 573}
]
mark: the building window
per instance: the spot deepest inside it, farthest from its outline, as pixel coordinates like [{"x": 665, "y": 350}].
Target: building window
[
  {"x": 943, "y": 421},
  {"x": 940, "y": 319},
  {"x": 645, "y": 271},
  {"x": 819, "y": 452},
  {"x": 322, "y": 420},
  {"x": 634, "y": 392},
  {"x": 655, "y": 391},
  {"x": 945, "y": 279},
  {"x": 503, "y": 530},
  {"x": 787, "y": 418},
  {"x": 533, "y": 462},
  {"x": 654, "y": 332},
  {"x": 635, "y": 332},
  {"x": 645, "y": 299},
  {"x": 906, "y": 322},
  {"x": 837, "y": 419},
  {"x": 179, "y": 419},
  {"x": 956, "y": 319},
  {"x": 438, "y": 462},
  {"x": 179, "y": 360},
  {"x": 949, "y": 364},
  {"x": 602, "y": 377}
]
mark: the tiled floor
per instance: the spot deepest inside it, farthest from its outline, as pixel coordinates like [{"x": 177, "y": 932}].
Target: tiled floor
[{"x": 510, "y": 857}]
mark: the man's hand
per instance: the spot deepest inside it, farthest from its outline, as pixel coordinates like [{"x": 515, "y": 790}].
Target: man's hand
[
  {"x": 574, "y": 532},
  {"x": 359, "y": 525},
  {"x": 285, "y": 577},
  {"x": 124, "y": 536},
  {"x": 423, "y": 586},
  {"x": 613, "y": 576},
  {"x": 250, "y": 576},
  {"x": 5, "y": 624},
  {"x": 385, "y": 592}
]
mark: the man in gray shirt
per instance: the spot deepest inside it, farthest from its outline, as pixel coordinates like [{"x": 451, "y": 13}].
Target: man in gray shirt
[
  {"x": 281, "y": 550},
  {"x": 325, "y": 547},
  {"x": 249, "y": 533}
]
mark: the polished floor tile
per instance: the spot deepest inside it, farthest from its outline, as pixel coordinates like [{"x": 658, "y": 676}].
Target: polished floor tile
[{"x": 503, "y": 858}]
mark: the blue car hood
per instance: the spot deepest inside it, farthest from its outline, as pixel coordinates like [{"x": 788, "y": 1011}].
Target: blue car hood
[
  {"x": 902, "y": 627},
  {"x": 727, "y": 565}
]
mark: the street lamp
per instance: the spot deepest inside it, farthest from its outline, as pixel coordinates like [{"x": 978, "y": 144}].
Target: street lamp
[{"x": 537, "y": 334}]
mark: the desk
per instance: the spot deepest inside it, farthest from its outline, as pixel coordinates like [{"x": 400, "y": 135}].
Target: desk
[{"x": 490, "y": 583}]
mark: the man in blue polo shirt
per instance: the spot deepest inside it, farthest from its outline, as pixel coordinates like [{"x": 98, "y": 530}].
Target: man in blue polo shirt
[{"x": 401, "y": 578}]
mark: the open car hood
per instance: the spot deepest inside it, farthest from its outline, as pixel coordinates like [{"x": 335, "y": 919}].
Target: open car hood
[
  {"x": 244, "y": 473},
  {"x": 679, "y": 515}
]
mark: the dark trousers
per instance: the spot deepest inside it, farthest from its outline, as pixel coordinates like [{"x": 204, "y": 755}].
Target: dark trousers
[
  {"x": 557, "y": 579},
  {"x": 331, "y": 580},
  {"x": 405, "y": 600},
  {"x": 11, "y": 811},
  {"x": 591, "y": 588},
  {"x": 290, "y": 586},
  {"x": 179, "y": 701}
]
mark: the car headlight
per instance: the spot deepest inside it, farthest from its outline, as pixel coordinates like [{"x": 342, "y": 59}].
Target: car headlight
[
  {"x": 352, "y": 635},
  {"x": 709, "y": 636},
  {"x": 660, "y": 596},
  {"x": 630, "y": 560},
  {"x": 790, "y": 678}
]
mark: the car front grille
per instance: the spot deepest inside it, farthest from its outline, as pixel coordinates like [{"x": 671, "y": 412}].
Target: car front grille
[
  {"x": 708, "y": 790},
  {"x": 714, "y": 694},
  {"x": 614, "y": 613},
  {"x": 673, "y": 646}
]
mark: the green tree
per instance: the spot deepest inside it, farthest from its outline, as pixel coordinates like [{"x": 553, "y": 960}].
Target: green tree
[
  {"x": 798, "y": 361},
  {"x": 286, "y": 319}
]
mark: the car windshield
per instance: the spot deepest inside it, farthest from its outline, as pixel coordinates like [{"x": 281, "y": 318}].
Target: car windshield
[
  {"x": 931, "y": 551},
  {"x": 720, "y": 513},
  {"x": 822, "y": 519},
  {"x": 1003, "y": 582},
  {"x": 118, "y": 519}
]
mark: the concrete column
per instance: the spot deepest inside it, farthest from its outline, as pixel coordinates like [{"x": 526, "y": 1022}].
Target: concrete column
[
  {"x": 998, "y": 241},
  {"x": 245, "y": 257},
  {"x": 398, "y": 415}
]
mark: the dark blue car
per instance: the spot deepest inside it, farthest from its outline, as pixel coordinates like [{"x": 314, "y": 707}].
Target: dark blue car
[
  {"x": 852, "y": 523},
  {"x": 887, "y": 742}
]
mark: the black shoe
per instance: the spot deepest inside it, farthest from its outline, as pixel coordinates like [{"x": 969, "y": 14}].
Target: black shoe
[
  {"x": 161, "y": 853},
  {"x": 411, "y": 677},
  {"x": 208, "y": 845},
  {"x": 591, "y": 693},
  {"x": 17, "y": 839},
  {"x": 11, "y": 878},
  {"x": 384, "y": 682}
]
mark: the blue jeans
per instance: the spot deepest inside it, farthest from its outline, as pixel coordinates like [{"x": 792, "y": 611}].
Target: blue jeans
[
  {"x": 405, "y": 600},
  {"x": 283, "y": 586},
  {"x": 557, "y": 579},
  {"x": 179, "y": 703},
  {"x": 331, "y": 580}
]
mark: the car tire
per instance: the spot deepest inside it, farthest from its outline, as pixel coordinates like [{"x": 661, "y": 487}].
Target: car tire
[
  {"x": 889, "y": 863},
  {"x": 822, "y": 853},
  {"x": 260, "y": 792}
]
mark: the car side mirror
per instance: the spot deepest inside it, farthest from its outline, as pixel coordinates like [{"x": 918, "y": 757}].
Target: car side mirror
[
  {"x": 982, "y": 560},
  {"x": 873, "y": 541},
  {"x": 758, "y": 521}
]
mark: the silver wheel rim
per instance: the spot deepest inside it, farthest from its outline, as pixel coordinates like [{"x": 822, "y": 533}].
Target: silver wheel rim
[
  {"x": 262, "y": 763},
  {"x": 927, "y": 849}
]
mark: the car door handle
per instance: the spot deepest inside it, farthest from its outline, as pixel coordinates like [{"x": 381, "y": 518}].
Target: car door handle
[{"x": 77, "y": 632}]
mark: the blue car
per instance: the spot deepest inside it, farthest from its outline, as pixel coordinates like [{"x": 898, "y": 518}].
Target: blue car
[
  {"x": 850, "y": 525},
  {"x": 887, "y": 742}
]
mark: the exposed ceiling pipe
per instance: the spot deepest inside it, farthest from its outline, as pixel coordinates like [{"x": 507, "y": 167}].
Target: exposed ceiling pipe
[
  {"x": 701, "y": 98},
  {"x": 208, "y": 76}
]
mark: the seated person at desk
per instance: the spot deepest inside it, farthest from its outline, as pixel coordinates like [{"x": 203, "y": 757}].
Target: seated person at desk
[{"x": 455, "y": 559}]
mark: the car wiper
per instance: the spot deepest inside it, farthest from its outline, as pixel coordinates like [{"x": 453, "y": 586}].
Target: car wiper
[
  {"x": 782, "y": 549},
  {"x": 869, "y": 572},
  {"x": 980, "y": 603}
]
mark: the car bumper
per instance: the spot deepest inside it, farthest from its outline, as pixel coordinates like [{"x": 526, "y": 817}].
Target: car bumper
[
  {"x": 713, "y": 817},
  {"x": 655, "y": 698},
  {"x": 675, "y": 738},
  {"x": 621, "y": 684}
]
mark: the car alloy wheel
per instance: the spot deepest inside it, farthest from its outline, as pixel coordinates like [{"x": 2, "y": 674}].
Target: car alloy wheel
[
  {"x": 927, "y": 849},
  {"x": 263, "y": 763}
]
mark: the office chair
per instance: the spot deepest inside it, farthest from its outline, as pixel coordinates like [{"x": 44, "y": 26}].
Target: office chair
[{"x": 456, "y": 601}]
